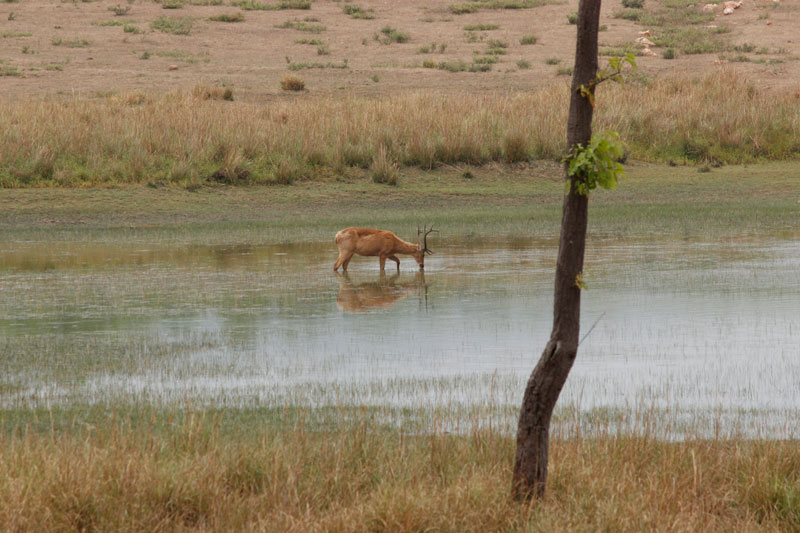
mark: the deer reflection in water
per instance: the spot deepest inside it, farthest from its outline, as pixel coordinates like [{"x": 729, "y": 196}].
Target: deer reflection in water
[{"x": 381, "y": 294}]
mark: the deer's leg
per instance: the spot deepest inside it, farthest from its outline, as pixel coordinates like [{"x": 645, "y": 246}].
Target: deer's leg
[
  {"x": 383, "y": 262},
  {"x": 346, "y": 261},
  {"x": 396, "y": 260},
  {"x": 343, "y": 260}
]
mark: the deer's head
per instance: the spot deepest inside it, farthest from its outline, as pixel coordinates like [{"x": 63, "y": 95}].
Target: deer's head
[{"x": 422, "y": 245}]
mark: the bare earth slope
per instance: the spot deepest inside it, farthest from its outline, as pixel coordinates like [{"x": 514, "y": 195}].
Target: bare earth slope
[{"x": 85, "y": 48}]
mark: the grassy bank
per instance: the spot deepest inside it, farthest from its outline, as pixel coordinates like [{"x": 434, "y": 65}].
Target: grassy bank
[
  {"x": 489, "y": 201},
  {"x": 189, "y": 139},
  {"x": 196, "y": 475}
]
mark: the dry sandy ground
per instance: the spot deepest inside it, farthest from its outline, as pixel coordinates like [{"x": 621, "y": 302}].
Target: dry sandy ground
[{"x": 252, "y": 56}]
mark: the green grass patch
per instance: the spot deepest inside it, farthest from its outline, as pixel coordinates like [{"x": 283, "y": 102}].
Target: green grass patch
[
  {"x": 15, "y": 34},
  {"x": 70, "y": 43},
  {"x": 481, "y": 27},
  {"x": 228, "y": 17},
  {"x": 389, "y": 35},
  {"x": 301, "y": 25},
  {"x": 357, "y": 12},
  {"x": 528, "y": 39},
  {"x": 253, "y": 5},
  {"x": 183, "y": 56},
  {"x": 318, "y": 65},
  {"x": 173, "y": 25}
]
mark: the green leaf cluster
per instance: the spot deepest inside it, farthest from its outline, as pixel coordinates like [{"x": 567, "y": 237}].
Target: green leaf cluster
[{"x": 596, "y": 164}]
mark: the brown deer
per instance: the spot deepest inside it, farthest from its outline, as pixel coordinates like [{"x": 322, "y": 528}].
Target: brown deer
[{"x": 383, "y": 243}]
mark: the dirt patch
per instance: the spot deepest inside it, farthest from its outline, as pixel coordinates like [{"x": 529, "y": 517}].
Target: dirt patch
[{"x": 88, "y": 49}]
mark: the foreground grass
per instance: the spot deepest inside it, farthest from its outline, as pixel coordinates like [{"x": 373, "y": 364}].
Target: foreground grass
[
  {"x": 180, "y": 138},
  {"x": 189, "y": 471}
]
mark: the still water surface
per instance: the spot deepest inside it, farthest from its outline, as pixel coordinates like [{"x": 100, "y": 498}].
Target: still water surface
[{"x": 707, "y": 329}]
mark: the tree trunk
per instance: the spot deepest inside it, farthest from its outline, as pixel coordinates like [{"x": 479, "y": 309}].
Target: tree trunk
[{"x": 550, "y": 374}]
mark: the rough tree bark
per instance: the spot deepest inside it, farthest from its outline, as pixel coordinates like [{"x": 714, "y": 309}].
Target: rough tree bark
[{"x": 550, "y": 374}]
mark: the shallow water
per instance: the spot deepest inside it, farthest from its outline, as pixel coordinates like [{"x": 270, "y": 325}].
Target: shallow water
[{"x": 706, "y": 331}]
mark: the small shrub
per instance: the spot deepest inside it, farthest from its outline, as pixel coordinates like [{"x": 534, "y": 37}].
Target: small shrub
[
  {"x": 9, "y": 71},
  {"x": 120, "y": 11},
  {"x": 174, "y": 26},
  {"x": 572, "y": 18},
  {"x": 357, "y": 12},
  {"x": 204, "y": 92},
  {"x": 172, "y": 4},
  {"x": 481, "y": 27},
  {"x": 745, "y": 48},
  {"x": 669, "y": 53},
  {"x": 130, "y": 28},
  {"x": 528, "y": 39},
  {"x": 485, "y": 60},
  {"x": 552, "y": 61},
  {"x": 523, "y": 64},
  {"x": 72, "y": 43},
  {"x": 633, "y": 4},
  {"x": 323, "y": 50},
  {"x": 292, "y": 83},
  {"x": 303, "y": 26},
  {"x": 390, "y": 35},
  {"x": 463, "y": 9},
  {"x": 564, "y": 71},
  {"x": 145, "y": 55},
  {"x": 225, "y": 17}
]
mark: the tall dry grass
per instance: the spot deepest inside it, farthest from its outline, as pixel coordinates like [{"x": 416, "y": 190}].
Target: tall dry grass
[
  {"x": 183, "y": 138},
  {"x": 362, "y": 478}
]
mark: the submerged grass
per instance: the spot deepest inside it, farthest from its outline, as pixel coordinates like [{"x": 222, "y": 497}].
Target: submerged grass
[
  {"x": 191, "y": 471},
  {"x": 141, "y": 138}
]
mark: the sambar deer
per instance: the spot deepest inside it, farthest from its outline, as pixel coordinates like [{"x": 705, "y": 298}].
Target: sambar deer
[{"x": 381, "y": 243}]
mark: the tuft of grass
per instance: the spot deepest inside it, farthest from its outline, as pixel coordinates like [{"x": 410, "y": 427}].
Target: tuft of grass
[
  {"x": 70, "y": 43},
  {"x": 172, "y": 4},
  {"x": 313, "y": 65},
  {"x": 302, "y": 25},
  {"x": 173, "y": 25},
  {"x": 119, "y": 10},
  {"x": 305, "y": 40},
  {"x": 669, "y": 53},
  {"x": 383, "y": 168},
  {"x": 633, "y": 4},
  {"x": 572, "y": 17},
  {"x": 432, "y": 48},
  {"x": 463, "y": 9},
  {"x": 390, "y": 35},
  {"x": 254, "y": 5},
  {"x": 130, "y": 28},
  {"x": 15, "y": 34},
  {"x": 481, "y": 27},
  {"x": 564, "y": 71},
  {"x": 528, "y": 39},
  {"x": 214, "y": 92},
  {"x": 357, "y": 12},
  {"x": 10, "y": 71},
  {"x": 523, "y": 64},
  {"x": 226, "y": 17},
  {"x": 292, "y": 83}
]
